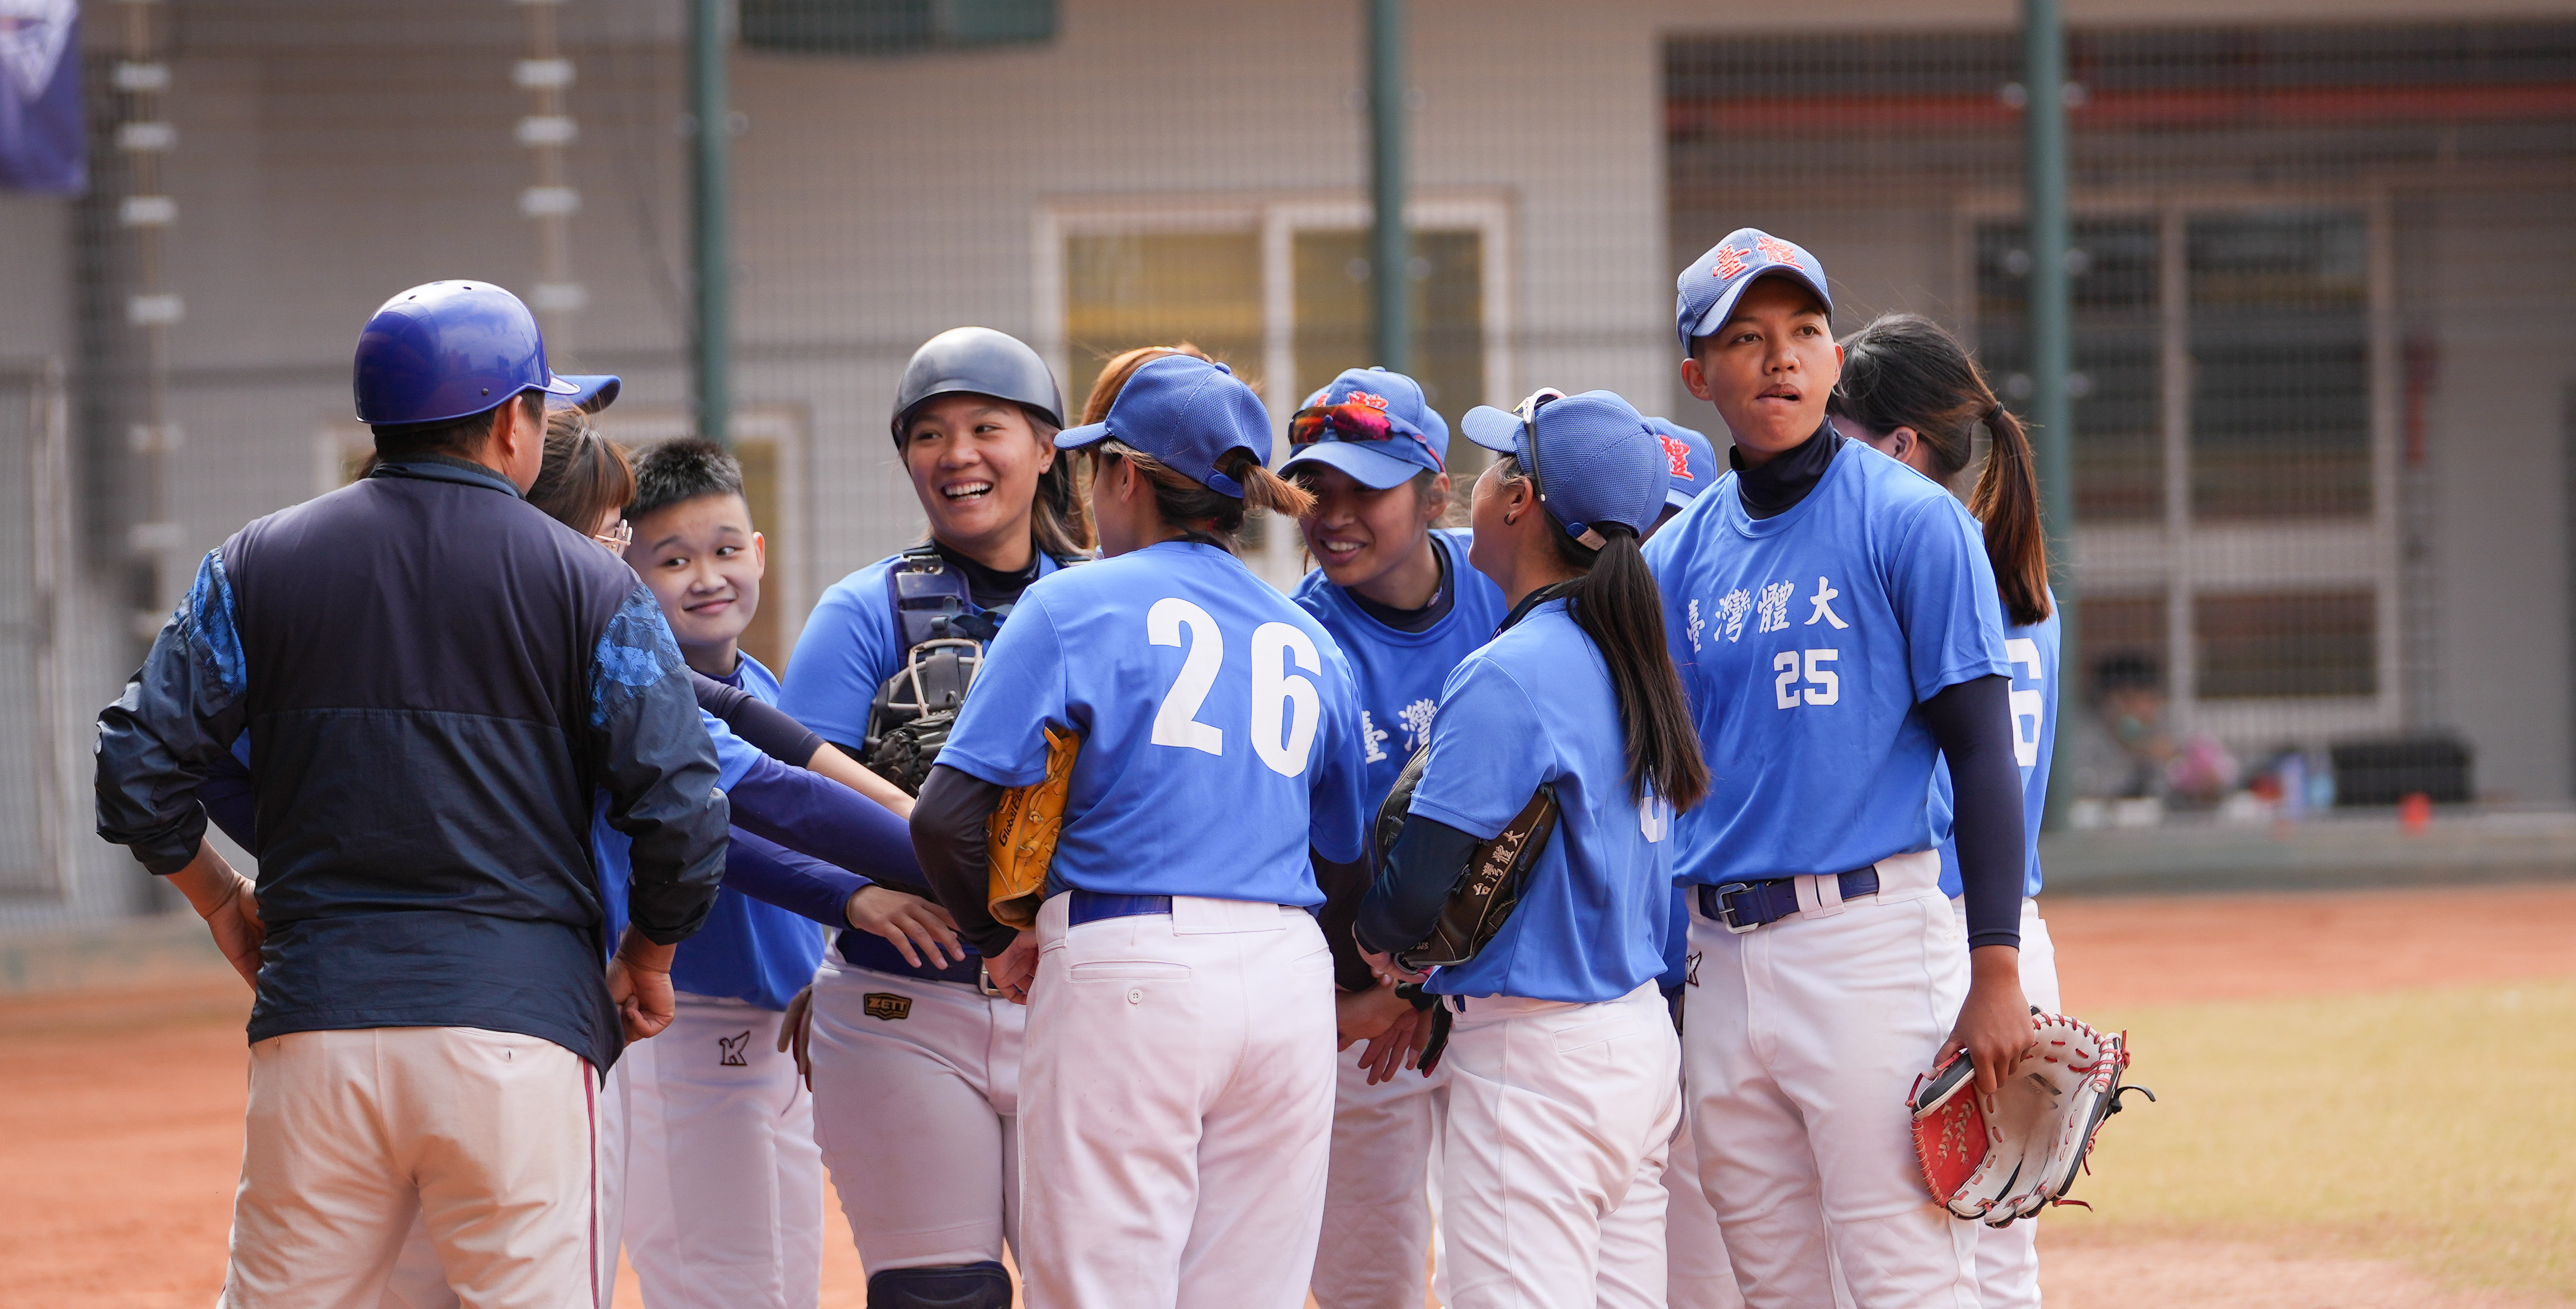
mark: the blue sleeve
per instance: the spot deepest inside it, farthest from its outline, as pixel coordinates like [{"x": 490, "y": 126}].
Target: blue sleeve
[
  {"x": 734, "y": 755},
  {"x": 814, "y": 815},
  {"x": 230, "y": 799},
  {"x": 174, "y": 725},
  {"x": 1488, "y": 753},
  {"x": 772, "y": 873},
  {"x": 1000, "y": 734},
  {"x": 1944, "y": 592},
  {"x": 847, "y": 641},
  {"x": 659, "y": 769},
  {"x": 1337, "y": 801}
]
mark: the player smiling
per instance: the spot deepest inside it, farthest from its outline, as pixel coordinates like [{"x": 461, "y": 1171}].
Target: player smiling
[
  {"x": 1177, "y": 1106},
  {"x": 1835, "y": 621},
  {"x": 1400, "y": 597}
]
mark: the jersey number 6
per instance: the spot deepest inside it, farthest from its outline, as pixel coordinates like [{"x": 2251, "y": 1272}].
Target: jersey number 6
[{"x": 1285, "y": 706}]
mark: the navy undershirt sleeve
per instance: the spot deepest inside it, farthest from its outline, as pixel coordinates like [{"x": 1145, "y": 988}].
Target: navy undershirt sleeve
[
  {"x": 800, "y": 884},
  {"x": 1343, "y": 884},
  {"x": 757, "y": 721},
  {"x": 814, "y": 815},
  {"x": 1972, "y": 723},
  {"x": 948, "y": 834},
  {"x": 1423, "y": 868}
]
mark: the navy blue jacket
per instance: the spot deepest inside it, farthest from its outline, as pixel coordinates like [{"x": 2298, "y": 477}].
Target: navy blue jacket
[{"x": 437, "y": 679}]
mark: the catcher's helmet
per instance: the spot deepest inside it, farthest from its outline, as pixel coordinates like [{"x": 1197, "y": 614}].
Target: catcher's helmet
[
  {"x": 448, "y": 350},
  {"x": 979, "y": 361}
]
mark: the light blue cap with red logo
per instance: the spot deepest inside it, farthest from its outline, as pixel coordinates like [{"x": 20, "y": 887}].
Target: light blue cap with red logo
[
  {"x": 1706, "y": 291},
  {"x": 1689, "y": 457},
  {"x": 1188, "y": 413},
  {"x": 1596, "y": 463},
  {"x": 1417, "y": 441}
]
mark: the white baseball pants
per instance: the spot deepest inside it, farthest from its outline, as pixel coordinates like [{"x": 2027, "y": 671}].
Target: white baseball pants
[
  {"x": 1802, "y": 1040},
  {"x": 485, "y": 1138},
  {"x": 1560, "y": 1120},
  {"x": 2008, "y": 1257},
  {"x": 1377, "y": 1211},
  {"x": 724, "y": 1188},
  {"x": 916, "y": 1104},
  {"x": 417, "y": 1281},
  {"x": 1697, "y": 1274},
  {"x": 1177, "y": 1108}
]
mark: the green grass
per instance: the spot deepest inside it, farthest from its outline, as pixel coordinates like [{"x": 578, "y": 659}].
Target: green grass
[{"x": 2433, "y": 1127}]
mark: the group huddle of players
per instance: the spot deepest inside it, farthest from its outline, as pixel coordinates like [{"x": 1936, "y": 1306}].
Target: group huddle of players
[{"x": 1763, "y": 743}]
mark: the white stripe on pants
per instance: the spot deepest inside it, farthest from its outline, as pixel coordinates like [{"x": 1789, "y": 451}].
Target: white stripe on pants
[
  {"x": 1177, "y": 1108},
  {"x": 916, "y": 1103},
  {"x": 1560, "y": 1118},
  {"x": 2008, "y": 1257},
  {"x": 485, "y": 1137},
  {"x": 724, "y": 1187},
  {"x": 1377, "y": 1210},
  {"x": 1802, "y": 1040}
]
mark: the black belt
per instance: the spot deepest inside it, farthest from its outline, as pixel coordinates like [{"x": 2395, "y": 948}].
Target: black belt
[
  {"x": 877, "y": 954},
  {"x": 1740, "y": 907}
]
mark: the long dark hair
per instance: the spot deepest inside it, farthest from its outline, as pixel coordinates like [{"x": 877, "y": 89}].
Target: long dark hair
[
  {"x": 1903, "y": 370},
  {"x": 1617, "y": 604}
]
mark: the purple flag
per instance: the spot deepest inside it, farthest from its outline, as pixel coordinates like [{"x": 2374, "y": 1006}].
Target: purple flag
[{"x": 41, "y": 147}]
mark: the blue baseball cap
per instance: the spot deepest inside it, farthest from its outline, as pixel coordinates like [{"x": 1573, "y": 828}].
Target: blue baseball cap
[
  {"x": 1690, "y": 459},
  {"x": 446, "y": 350},
  {"x": 1186, "y": 412},
  {"x": 1596, "y": 460},
  {"x": 1706, "y": 291},
  {"x": 1373, "y": 425}
]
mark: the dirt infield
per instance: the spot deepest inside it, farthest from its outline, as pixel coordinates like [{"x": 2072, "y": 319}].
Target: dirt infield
[{"x": 120, "y": 1110}]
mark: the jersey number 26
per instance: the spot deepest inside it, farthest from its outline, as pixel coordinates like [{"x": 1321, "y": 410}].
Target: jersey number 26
[{"x": 1285, "y": 706}]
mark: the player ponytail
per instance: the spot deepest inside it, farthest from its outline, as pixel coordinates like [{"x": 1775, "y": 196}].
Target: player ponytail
[
  {"x": 1903, "y": 370},
  {"x": 1200, "y": 512},
  {"x": 1618, "y": 605}
]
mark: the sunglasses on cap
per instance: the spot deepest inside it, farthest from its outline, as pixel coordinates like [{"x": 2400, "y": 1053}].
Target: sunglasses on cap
[
  {"x": 1351, "y": 421},
  {"x": 1528, "y": 411}
]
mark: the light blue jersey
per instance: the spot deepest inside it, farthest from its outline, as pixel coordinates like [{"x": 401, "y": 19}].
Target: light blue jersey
[
  {"x": 1399, "y": 674},
  {"x": 2032, "y": 652},
  {"x": 1804, "y": 642},
  {"x": 747, "y": 949},
  {"x": 851, "y": 644},
  {"x": 1536, "y": 708},
  {"x": 1217, "y": 725}
]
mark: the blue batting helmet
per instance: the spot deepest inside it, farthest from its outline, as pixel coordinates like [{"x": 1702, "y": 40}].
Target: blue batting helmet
[{"x": 447, "y": 350}]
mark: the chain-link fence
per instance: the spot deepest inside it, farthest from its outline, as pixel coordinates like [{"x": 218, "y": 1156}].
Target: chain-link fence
[{"x": 2325, "y": 282}]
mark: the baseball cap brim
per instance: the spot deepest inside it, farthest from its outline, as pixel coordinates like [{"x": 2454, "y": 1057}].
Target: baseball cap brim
[
  {"x": 1074, "y": 438},
  {"x": 1715, "y": 316},
  {"x": 1368, "y": 467},
  {"x": 1492, "y": 428},
  {"x": 588, "y": 393},
  {"x": 1678, "y": 498}
]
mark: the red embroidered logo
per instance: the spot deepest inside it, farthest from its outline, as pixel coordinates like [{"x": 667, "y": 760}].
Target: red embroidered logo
[
  {"x": 1377, "y": 402},
  {"x": 1778, "y": 251},
  {"x": 1678, "y": 455},
  {"x": 1730, "y": 261}
]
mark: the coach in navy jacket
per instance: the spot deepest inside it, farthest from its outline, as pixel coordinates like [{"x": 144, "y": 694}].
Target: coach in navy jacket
[{"x": 437, "y": 680}]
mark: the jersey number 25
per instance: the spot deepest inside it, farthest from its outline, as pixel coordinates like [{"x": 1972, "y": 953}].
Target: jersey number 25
[{"x": 1285, "y": 706}]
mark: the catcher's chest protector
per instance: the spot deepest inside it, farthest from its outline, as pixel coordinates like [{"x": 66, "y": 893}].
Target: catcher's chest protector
[{"x": 943, "y": 640}]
